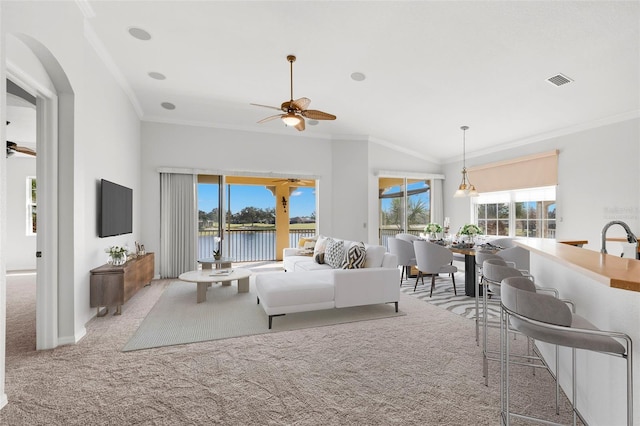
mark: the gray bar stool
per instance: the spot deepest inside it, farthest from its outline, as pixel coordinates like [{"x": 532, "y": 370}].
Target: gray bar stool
[{"x": 547, "y": 319}]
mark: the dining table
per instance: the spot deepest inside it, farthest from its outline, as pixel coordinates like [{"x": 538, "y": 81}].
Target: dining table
[{"x": 470, "y": 277}]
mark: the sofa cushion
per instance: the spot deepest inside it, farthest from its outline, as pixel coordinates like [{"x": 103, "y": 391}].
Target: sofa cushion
[
  {"x": 321, "y": 245},
  {"x": 354, "y": 257},
  {"x": 374, "y": 256},
  {"x": 295, "y": 288},
  {"x": 334, "y": 255}
]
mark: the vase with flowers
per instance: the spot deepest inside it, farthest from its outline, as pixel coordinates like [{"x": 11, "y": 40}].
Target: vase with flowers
[
  {"x": 217, "y": 253},
  {"x": 117, "y": 255},
  {"x": 432, "y": 229},
  {"x": 470, "y": 230}
]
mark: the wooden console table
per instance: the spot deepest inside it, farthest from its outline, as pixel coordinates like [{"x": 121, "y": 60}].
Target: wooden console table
[{"x": 114, "y": 285}]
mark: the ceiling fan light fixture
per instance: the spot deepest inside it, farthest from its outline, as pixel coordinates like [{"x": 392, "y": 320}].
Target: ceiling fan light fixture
[{"x": 290, "y": 119}]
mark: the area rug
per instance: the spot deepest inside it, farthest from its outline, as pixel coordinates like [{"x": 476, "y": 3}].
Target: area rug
[
  {"x": 177, "y": 319},
  {"x": 444, "y": 297}
]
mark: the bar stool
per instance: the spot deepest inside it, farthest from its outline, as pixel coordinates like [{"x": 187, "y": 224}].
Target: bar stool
[
  {"x": 480, "y": 258},
  {"x": 547, "y": 319}
]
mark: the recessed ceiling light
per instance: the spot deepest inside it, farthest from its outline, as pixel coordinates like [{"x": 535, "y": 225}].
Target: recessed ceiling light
[
  {"x": 358, "y": 76},
  {"x": 168, "y": 105},
  {"x": 157, "y": 75},
  {"x": 312, "y": 122},
  {"x": 139, "y": 33}
]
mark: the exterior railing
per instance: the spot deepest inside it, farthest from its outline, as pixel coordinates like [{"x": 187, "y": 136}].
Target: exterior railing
[
  {"x": 247, "y": 245},
  {"x": 385, "y": 234}
]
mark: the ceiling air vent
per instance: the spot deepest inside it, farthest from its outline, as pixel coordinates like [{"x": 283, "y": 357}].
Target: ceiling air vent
[{"x": 559, "y": 80}]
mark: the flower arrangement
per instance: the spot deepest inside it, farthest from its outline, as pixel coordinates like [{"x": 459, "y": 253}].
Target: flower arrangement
[
  {"x": 117, "y": 255},
  {"x": 432, "y": 228},
  {"x": 116, "y": 251},
  {"x": 470, "y": 229},
  {"x": 217, "y": 253}
]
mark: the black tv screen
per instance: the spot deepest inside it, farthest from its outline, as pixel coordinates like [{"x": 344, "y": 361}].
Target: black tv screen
[{"x": 116, "y": 209}]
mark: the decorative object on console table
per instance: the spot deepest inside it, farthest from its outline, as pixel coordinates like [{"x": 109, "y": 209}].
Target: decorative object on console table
[
  {"x": 117, "y": 255},
  {"x": 114, "y": 285}
]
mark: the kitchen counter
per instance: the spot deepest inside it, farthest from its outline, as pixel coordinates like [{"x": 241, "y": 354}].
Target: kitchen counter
[
  {"x": 606, "y": 290},
  {"x": 610, "y": 270}
]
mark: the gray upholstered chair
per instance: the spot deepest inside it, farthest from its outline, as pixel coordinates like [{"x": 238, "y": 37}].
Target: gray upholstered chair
[
  {"x": 410, "y": 238},
  {"x": 547, "y": 319},
  {"x": 493, "y": 272},
  {"x": 433, "y": 259},
  {"x": 406, "y": 255}
]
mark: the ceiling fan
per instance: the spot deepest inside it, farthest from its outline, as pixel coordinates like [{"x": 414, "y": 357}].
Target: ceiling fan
[
  {"x": 13, "y": 147},
  {"x": 294, "y": 181},
  {"x": 295, "y": 111}
]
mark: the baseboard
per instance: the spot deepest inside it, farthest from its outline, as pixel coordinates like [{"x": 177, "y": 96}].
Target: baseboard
[
  {"x": 3, "y": 400},
  {"x": 72, "y": 340}
]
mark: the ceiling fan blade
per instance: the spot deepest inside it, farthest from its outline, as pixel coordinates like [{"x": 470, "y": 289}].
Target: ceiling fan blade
[
  {"x": 301, "y": 104},
  {"x": 300, "y": 125},
  {"x": 317, "y": 115},
  {"x": 273, "y": 117},
  {"x": 266, "y": 106},
  {"x": 15, "y": 147}
]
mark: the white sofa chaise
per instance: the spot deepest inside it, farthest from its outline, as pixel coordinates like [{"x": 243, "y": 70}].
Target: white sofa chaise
[{"x": 309, "y": 286}]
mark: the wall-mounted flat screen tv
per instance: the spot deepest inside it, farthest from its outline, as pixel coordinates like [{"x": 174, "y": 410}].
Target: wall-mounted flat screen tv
[{"x": 116, "y": 209}]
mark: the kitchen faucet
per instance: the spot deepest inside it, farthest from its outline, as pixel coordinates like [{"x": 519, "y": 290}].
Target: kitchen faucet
[{"x": 630, "y": 237}]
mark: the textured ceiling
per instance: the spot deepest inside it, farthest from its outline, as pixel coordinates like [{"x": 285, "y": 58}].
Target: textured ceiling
[{"x": 430, "y": 66}]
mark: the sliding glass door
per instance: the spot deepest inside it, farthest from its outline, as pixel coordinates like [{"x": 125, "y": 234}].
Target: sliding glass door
[{"x": 404, "y": 206}]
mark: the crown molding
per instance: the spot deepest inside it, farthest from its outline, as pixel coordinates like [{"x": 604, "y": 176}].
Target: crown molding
[
  {"x": 247, "y": 128},
  {"x": 630, "y": 115},
  {"x": 97, "y": 45}
]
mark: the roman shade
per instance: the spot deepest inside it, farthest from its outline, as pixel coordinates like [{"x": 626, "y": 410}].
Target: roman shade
[{"x": 532, "y": 171}]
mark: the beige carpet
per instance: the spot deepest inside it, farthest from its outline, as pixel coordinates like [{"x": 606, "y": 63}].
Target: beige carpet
[
  {"x": 419, "y": 369},
  {"x": 177, "y": 319}
]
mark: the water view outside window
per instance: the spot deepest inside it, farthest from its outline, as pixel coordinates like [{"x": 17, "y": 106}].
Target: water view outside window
[{"x": 250, "y": 213}]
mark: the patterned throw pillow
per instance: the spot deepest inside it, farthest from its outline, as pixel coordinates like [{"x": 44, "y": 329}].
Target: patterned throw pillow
[
  {"x": 355, "y": 257},
  {"x": 319, "y": 258},
  {"x": 334, "y": 254}
]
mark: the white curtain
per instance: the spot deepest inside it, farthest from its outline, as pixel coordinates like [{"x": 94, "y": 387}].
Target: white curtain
[
  {"x": 437, "y": 203},
  {"x": 178, "y": 224}
]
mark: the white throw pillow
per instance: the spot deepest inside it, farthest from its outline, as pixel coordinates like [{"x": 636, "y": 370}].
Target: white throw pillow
[{"x": 321, "y": 245}]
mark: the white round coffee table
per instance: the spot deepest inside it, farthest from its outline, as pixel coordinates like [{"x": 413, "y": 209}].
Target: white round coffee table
[{"x": 205, "y": 277}]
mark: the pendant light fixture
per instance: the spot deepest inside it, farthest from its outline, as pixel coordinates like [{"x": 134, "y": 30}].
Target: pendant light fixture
[{"x": 466, "y": 189}]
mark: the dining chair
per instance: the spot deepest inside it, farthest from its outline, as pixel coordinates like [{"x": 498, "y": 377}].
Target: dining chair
[
  {"x": 406, "y": 255},
  {"x": 433, "y": 259},
  {"x": 410, "y": 238}
]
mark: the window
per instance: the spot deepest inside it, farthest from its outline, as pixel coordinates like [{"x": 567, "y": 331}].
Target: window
[
  {"x": 403, "y": 211},
  {"x": 518, "y": 213},
  {"x": 31, "y": 206}
]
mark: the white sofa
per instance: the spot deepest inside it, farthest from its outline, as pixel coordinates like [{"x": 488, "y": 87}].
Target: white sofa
[{"x": 309, "y": 286}]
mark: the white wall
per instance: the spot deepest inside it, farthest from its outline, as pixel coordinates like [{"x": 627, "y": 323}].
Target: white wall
[
  {"x": 100, "y": 138},
  {"x": 350, "y": 189},
  {"x": 22, "y": 255},
  {"x": 207, "y": 150},
  {"x": 598, "y": 180}
]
